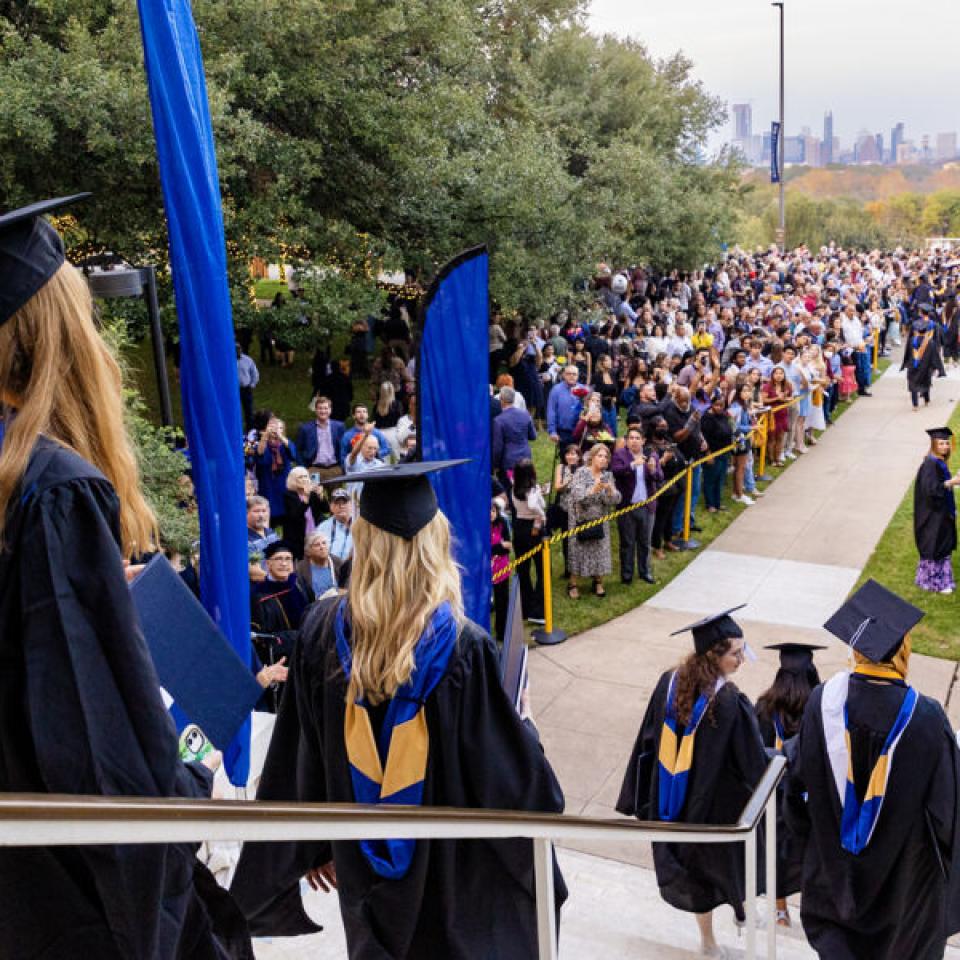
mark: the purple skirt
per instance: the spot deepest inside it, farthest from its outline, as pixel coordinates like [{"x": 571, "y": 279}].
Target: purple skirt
[{"x": 935, "y": 575}]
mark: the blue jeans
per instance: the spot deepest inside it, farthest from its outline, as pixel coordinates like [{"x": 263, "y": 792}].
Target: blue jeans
[
  {"x": 749, "y": 480},
  {"x": 714, "y": 477},
  {"x": 862, "y": 360},
  {"x": 678, "y": 512}
]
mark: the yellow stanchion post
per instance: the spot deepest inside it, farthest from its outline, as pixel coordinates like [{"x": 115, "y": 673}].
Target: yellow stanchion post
[
  {"x": 764, "y": 434},
  {"x": 876, "y": 349},
  {"x": 548, "y": 637},
  {"x": 686, "y": 543}
]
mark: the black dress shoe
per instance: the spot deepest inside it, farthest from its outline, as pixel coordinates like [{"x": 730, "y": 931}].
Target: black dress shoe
[
  {"x": 649, "y": 577},
  {"x": 696, "y": 528},
  {"x": 626, "y": 582},
  {"x": 864, "y": 393}
]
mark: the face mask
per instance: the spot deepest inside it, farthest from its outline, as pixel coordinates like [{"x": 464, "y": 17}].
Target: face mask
[{"x": 661, "y": 431}]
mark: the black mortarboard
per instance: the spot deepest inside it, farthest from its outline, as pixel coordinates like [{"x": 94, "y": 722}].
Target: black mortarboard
[
  {"x": 940, "y": 433},
  {"x": 795, "y": 657},
  {"x": 714, "y": 629},
  {"x": 874, "y": 621},
  {"x": 400, "y": 499},
  {"x": 278, "y": 546},
  {"x": 31, "y": 252}
]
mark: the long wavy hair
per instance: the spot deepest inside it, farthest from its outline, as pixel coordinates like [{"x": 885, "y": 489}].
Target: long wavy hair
[
  {"x": 788, "y": 696},
  {"x": 60, "y": 378},
  {"x": 395, "y": 587},
  {"x": 699, "y": 674}
]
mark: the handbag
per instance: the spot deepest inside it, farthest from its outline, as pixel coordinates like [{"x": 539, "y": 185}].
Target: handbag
[
  {"x": 590, "y": 534},
  {"x": 741, "y": 444}
]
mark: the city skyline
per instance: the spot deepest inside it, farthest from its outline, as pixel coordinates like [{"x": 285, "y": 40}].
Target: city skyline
[
  {"x": 821, "y": 147},
  {"x": 842, "y": 57}
]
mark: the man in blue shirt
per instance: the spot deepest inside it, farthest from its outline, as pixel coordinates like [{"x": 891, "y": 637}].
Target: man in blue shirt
[
  {"x": 758, "y": 360},
  {"x": 361, "y": 424},
  {"x": 513, "y": 430},
  {"x": 563, "y": 407},
  {"x": 336, "y": 528},
  {"x": 249, "y": 377}
]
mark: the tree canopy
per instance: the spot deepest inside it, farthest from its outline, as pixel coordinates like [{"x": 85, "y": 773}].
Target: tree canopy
[{"x": 354, "y": 134}]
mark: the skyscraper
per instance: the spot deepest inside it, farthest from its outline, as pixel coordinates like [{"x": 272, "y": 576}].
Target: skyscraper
[
  {"x": 743, "y": 121},
  {"x": 896, "y": 138},
  {"x": 827, "y": 148},
  {"x": 946, "y": 146}
]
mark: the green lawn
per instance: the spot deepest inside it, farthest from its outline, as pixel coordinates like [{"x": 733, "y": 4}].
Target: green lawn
[{"x": 894, "y": 564}]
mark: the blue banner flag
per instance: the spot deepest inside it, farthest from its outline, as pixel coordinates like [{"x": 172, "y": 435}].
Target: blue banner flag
[
  {"x": 208, "y": 362},
  {"x": 775, "y": 152},
  {"x": 453, "y": 413}
]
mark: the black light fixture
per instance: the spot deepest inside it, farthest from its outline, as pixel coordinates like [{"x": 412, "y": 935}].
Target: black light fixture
[{"x": 125, "y": 281}]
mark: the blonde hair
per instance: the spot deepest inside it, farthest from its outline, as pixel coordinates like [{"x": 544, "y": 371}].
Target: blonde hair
[
  {"x": 395, "y": 587},
  {"x": 386, "y": 398},
  {"x": 593, "y": 451},
  {"x": 900, "y": 661},
  {"x": 60, "y": 376}
]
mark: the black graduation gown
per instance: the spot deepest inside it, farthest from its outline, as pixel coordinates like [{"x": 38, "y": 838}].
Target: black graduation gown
[
  {"x": 891, "y": 901},
  {"x": 728, "y": 762},
  {"x": 934, "y": 523},
  {"x": 462, "y": 899},
  {"x": 80, "y": 713},
  {"x": 789, "y": 849},
  {"x": 920, "y": 377}
]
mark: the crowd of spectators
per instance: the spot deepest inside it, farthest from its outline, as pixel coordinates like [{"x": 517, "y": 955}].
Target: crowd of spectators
[
  {"x": 659, "y": 371},
  {"x": 649, "y": 375}
]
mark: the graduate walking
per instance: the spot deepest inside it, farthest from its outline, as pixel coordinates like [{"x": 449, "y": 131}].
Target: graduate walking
[
  {"x": 697, "y": 758},
  {"x": 780, "y": 712},
  {"x": 935, "y": 515},
  {"x": 922, "y": 357},
  {"x": 394, "y": 697},
  {"x": 873, "y": 795}
]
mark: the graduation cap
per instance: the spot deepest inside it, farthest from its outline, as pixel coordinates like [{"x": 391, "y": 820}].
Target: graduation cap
[
  {"x": 796, "y": 657},
  {"x": 940, "y": 433},
  {"x": 278, "y": 546},
  {"x": 714, "y": 629},
  {"x": 874, "y": 622},
  {"x": 31, "y": 252},
  {"x": 400, "y": 498}
]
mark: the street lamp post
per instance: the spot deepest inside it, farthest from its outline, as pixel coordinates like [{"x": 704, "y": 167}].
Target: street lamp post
[
  {"x": 782, "y": 232},
  {"x": 139, "y": 282}
]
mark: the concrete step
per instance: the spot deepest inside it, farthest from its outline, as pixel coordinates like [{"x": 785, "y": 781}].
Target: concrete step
[{"x": 614, "y": 911}]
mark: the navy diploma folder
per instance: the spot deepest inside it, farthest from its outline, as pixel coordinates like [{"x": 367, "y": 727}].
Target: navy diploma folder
[{"x": 196, "y": 665}]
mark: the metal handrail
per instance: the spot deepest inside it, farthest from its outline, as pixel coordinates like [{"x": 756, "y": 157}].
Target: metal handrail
[{"x": 69, "y": 820}]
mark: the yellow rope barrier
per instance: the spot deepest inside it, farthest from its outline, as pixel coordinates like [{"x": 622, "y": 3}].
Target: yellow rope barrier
[{"x": 687, "y": 474}]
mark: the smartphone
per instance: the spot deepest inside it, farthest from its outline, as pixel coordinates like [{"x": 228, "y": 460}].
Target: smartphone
[{"x": 314, "y": 477}]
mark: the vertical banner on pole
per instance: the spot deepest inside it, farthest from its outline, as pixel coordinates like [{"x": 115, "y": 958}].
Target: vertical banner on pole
[
  {"x": 208, "y": 366},
  {"x": 775, "y": 152},
  {"x": 453, "y": 413}
]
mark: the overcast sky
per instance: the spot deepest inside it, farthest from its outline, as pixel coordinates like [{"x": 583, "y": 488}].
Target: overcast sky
[{"x": 870, "y": 64}]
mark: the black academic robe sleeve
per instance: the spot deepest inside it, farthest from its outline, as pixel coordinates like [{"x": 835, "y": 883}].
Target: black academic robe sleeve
[
  {"x": 95, "y": 716},
  {"x": 294, "y": 771},
  {"x": 934, "y": 526},
  {"x": 634, "y": 800}
]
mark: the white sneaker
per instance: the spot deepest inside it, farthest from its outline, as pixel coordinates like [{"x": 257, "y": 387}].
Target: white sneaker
[
  {"x": 755, "y": 493},
  {"x": 947, "y": 590},
  {"x": 790, "y": 455}
]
